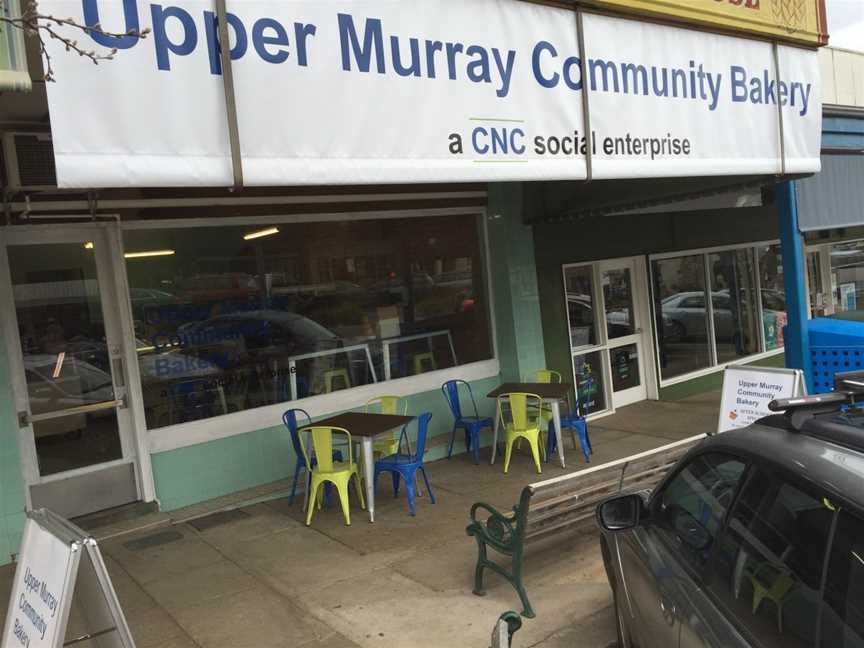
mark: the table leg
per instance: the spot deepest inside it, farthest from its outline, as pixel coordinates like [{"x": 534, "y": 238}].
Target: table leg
[
  {"x": 369, "y": 473},
  {"x": 495, "y": 434},
  {"x": 556, "y": 418}
]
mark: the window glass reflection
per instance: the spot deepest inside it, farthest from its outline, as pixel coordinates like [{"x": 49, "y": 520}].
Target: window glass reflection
[
  {"x": 579, "y": 284},
  {"x": 847, "y": 278},
  {"x": 773, "y": 293},
  {"x": 682, "y": 320},
  {"x": 228, "y": 322},
  {"x": 733, "y": 298}
]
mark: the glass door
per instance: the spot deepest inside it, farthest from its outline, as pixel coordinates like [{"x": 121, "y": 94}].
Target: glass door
[
  {"x": 67, "y": 371},
  {"x": 605, "y": 311},
  {"x": 624, "y": 331}
]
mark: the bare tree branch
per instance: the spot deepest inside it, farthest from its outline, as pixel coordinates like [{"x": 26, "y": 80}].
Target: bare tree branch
[{"x": 46, "y": 27}]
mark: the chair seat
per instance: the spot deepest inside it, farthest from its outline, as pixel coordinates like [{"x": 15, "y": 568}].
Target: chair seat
[
  {"x": 395, "y": 460},
  {"x": 338, "y": 467},
  {"x": 509, "y": 428}
]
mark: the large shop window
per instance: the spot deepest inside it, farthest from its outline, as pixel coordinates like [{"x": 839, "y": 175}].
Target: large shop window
[
  {"x": 237, "y": 317},
  {"x": 717, "y": 307},
  {"x": 847, "y": 279}
]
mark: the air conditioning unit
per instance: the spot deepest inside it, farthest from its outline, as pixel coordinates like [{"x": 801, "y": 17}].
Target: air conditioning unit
[{"x": 29, "y": 161}]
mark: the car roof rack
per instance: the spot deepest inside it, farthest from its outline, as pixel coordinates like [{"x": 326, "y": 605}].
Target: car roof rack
[{"x": 805, "y": 413}]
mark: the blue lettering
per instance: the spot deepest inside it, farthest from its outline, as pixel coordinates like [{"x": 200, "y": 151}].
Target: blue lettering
[
  {"x": 130, "y": 11},
  {"x": 569, "y": 64},
  {"x": 739, "y": 83},
  {"x": 539, "y": 48},
  {"x": 160, "y": 36},
  {"x": 516, "y": 144},
  {"x": 261, "y": 41},
  {"x": 372, "y": 41},
  {"x": 211, "y": 30},
  {"x": 301, "y": 33},
  {"x": 482, "y": 150},
  {"x": 499, "y": 140}
]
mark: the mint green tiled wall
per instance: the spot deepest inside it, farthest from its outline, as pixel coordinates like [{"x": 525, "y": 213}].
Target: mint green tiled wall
[
  {"x": 12, "y": 498},
  {"x": 514, "y": 284},
  {"x": 207, "y": 470}
]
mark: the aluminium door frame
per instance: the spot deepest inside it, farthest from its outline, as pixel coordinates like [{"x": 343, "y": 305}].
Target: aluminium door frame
[{"x": 114, "y": 291}]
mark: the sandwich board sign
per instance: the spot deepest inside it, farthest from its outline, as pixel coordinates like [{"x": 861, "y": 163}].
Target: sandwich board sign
[
  {"x": 58, "y": 563},
  {"x": 747, "y": 390}
]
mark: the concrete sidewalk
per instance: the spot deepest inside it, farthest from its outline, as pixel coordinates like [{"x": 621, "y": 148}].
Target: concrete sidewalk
[{"x": 254, "y": 576}]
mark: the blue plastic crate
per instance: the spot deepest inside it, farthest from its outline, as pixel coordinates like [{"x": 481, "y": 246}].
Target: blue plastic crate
[{"x": 826, "y": 361}]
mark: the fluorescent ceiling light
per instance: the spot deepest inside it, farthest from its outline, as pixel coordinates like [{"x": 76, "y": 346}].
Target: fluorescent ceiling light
[
  {"x": 58, "y": 367},
  {"x": 259, "y": 234},
  {"x": 89, "y": 245},
  {"x": 148, "y": 253}
]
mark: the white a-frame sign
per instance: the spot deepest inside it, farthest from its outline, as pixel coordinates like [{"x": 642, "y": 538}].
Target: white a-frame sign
[{"x": 58, "y": 563}]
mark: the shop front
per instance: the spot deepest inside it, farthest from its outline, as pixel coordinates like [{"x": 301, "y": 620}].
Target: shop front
[{"x": 157, "y": 329}]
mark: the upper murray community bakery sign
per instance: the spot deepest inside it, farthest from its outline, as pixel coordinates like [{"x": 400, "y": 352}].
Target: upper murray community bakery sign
[{"x": 363, "y": 91}]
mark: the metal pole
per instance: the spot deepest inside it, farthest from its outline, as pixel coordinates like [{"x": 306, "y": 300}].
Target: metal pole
[
  {"x": 586, "y": 107},
  {"x": 796, "y": 337},
  {"x": 780, "y": 110},
  {"x": 228, "y": 86}
]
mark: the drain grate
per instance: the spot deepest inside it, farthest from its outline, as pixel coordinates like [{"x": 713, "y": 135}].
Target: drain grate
[
  {"x": 155, "y": 540},
  {"x": 218, "y": 519}
]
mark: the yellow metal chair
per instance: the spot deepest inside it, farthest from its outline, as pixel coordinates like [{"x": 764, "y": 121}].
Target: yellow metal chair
[
  {"x": 330, "y": 377},
  {"x": 774, "y": 583},
  {"x": 386, "y": 405},
  {"x": 424, "y": 362},
  {"x": 547, "y": 376},
  {"x": 525, "y": 413},
  {"x": 338, "y": 473}
]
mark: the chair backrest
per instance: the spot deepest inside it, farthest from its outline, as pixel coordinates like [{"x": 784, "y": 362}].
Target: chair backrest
[
  {"x": 422, "y": 431},
  {"x": 322, "y": 443},
  {"x": 289, "y": 418},
  {"x": 547, "y": 376},
  {"x": 450, "y": 389},
  {"x": 517, "y": 404},
  {"x": 332, "y": 376},
  {"x": 387, "y": 405}
]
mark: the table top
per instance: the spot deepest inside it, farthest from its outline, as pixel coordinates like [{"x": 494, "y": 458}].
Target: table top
[
  {"x": 361, "y": 424},
  {"x": 557, "y": 391}
]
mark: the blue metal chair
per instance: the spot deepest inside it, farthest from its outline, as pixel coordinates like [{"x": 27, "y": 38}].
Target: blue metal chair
[
  {"x": 471, "y": 424},
  {"x": 405, "y": 466},
  {"x": 574, "y": 420},
  {"x": 289, "y": 418}
]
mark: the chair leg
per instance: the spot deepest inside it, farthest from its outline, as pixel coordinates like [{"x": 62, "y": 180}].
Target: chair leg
[
  {"x": 535, "y": 444},
  {"x": 409, "y": 491},
  {"x": 428, "y": 487},
  {"x": 342, "y": 489},
  {"x": 313, "y": 498},
  {"x": 452, "y": 440},
  {"x": 508, "y": 450},
  {"x": 551, "y": 442},
  {"x": 374, "y": 482},
  {"x": 475, "y": 444},
  {"x": 395, "y": 476},
  {"x": 358, "y": 484},
  {"x": 585, "y": 443},
  {"x": 294, "y": 484}
]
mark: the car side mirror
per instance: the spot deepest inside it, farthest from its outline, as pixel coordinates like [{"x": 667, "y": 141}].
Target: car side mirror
[{"x": 620, "y": 513}]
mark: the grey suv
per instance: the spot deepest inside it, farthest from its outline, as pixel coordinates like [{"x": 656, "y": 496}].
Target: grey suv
[{"x": 756, "y": 538}]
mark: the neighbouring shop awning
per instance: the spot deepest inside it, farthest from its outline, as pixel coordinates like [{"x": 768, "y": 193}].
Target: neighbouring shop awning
[
  {"x": 328, "y": 92},
  {"x": 560, "y": 201},
  {"x": 835, "y": 197}
]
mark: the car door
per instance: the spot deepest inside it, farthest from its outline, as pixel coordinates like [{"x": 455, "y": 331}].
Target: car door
[
  {"x": 662, "y": 561},
  {"x": 763, "y": 585}
]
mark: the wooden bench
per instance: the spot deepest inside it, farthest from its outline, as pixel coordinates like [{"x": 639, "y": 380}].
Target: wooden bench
[{"x": 562, "y": 504}]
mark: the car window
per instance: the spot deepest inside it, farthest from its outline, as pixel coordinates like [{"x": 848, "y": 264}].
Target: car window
[
  {"x": 843, "y": 611},
  {"x": 693, "y": 302},
  {"x": 691, "y": 507},
  {"x": 768, "y": 564}
]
